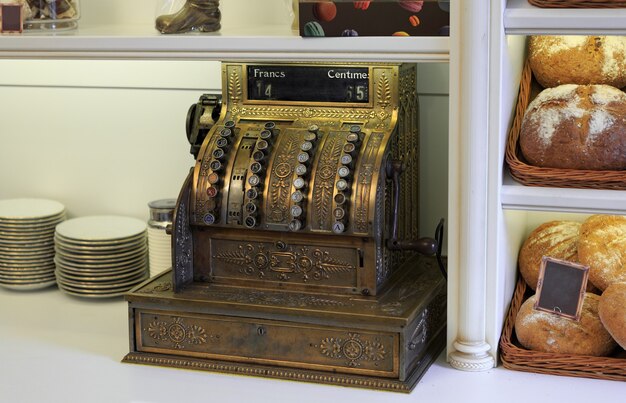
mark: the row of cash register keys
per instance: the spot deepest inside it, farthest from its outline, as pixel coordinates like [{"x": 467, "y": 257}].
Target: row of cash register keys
[{"x": 257, "y": 168}]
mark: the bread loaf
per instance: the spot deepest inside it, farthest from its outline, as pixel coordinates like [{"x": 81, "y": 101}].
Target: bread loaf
[
  {"x": 571, "y": 59},
  {"x": 547, "y": 332},
  {"x": 577, "y": 127},
  {"x": 557, "y": 239},
  {"x": 612, "y": 310},
  {"x": 602, "y": 247}
]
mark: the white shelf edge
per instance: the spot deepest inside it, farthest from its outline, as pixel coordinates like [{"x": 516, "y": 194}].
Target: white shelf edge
[
  {"x": 515, "y": 196},
  {"x": 521, "y": 18},
  {"x": 270, "y": 43}
]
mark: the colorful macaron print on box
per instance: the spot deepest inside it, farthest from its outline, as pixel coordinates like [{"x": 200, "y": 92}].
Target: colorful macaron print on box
[{"x": 319, "y": 18}]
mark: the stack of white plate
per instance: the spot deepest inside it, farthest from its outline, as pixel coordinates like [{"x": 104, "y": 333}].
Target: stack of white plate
[
  {"x": 27, "y": 242},
  {"x": 100, "y": 256}
]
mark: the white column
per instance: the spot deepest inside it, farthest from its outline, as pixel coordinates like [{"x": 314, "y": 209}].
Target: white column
[{"x": 469, "y": 117}]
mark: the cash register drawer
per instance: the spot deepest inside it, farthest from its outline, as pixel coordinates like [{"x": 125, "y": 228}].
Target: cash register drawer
[{"x": 268, "y": 342}]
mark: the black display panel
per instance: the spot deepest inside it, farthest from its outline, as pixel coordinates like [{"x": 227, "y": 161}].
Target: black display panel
[
  {"x": 309, "y": 84},
  {"x": 561, "y": 287}
]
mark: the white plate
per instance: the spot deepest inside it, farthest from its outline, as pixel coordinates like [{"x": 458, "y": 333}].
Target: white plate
[
  {"x": 98, "y": 278},
  {"x": 100, "y": 286},
  {"x": 32, "y": 224},
  {"x": 29, "y": 287},
  {"x": 97, "y": 250},
  {"x": 33, "y": 265},
  {"x": 101, "y": 265},
  {"x": 101, "y": 228},
  {"x": 25, "y": 209},
  {"x": 114, "y": 258},
  {"x": 109, "y": 291},
  {"x": 26, "y": 248},
  {"x": 89, "y": 295},
  {"x": 100, "y": 244},
  {"x": 102, "y": 270},
  {"x": 25, "y": 279},
  {"x": 27, "y": 275}
]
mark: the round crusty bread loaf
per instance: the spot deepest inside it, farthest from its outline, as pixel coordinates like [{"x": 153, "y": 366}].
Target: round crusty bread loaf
[
  {"x": 547, "y": 332},
  {"x": 612, "y": 310},
  {"x": 576, "y": 127},
  {"x": 602, "y": 247},
  {"x": 571, "y": 59},
  {"x": 557, "y": 239}
]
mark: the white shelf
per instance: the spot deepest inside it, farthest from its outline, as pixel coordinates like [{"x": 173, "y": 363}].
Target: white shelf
[
  {"x": 522, "y": 18},
  {"x": 250, "y": 43},
  {"x": 515, "y": 196}
]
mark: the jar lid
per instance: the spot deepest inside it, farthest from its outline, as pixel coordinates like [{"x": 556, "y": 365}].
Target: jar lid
[{"x": 162, "y": 210}]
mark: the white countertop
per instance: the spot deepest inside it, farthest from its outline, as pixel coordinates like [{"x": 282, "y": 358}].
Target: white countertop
[{"x": 56, "y": 348}]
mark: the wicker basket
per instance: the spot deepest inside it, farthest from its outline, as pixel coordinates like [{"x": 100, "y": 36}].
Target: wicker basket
[
  {"x": 578, "y": 3},
  {"x": 515, "y": 357},
  {"x": 554, "y": 177}
]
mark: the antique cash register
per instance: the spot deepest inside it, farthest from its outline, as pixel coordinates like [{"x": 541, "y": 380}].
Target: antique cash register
[{"x": 295, "y": 249}]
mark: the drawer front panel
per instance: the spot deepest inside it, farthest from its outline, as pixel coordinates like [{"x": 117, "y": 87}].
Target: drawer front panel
[{"x": 268, "y": 342}]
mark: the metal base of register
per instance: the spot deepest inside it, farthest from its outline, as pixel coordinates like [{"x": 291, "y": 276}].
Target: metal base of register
[{"x": 384, "y": 343}]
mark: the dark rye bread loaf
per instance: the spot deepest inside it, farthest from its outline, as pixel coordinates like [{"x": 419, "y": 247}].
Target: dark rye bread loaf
[
  {"x": 577, "y": 127},
  {"x": 572, "y": 59}
]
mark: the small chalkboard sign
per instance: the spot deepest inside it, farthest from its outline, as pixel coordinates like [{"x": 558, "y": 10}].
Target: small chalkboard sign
[
  {"x": 11, "y": 19},
  {"x": 561, "y": 287}
]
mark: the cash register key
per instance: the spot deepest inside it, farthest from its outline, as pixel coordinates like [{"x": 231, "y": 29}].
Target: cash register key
[
  {"x": 215, "y": 165},
  {"x": 349, "y": 148},
  {"x": 340, "y": 199},
  {"x": 343, "y": 171},
  {"x": 211, "y": 191},
  {"x": 314, "y": 129},
  {"x": 310, "y": 137},
  {"x": 339, "y": 227},
  {"x": 251, "y": 208},
  {"x": 213, "y": 178},
  {"x": 254, "y": 180},
  {"x": 301, "y": 170},
  {"x": 296, "y": 211},
  {"x": 262, "y": 145},
  {"x": 342, "y": 184},
  {"x": 250, "y": 221},
  {"x": 252, "y": 193},
  {"x": 295, "y": 225},
  {"x": 266, "y": 134},
  {"x": 258, "y": 155},
  {"x": 353, "y": 138},
  {"x": 229, "y": 124},
  {"x": 299, "y": 183},
  {"x": 256, "y": 167},
  {"x": 297, "y": 196},
  {"x": 306, "y": 146},
  {"x": 222, "y": 142},
  {"x": 303, "y": 157},
  {"x": 339, "y": 213},
  {"x": 218, "y": 153},
  {"x": 209, "y": 219},
  {"x": 346, "y": 159},
  {"x": 270, "y": 126},
  {"x": 355, "y": 129},
  {"x": 226, "y": 133}
]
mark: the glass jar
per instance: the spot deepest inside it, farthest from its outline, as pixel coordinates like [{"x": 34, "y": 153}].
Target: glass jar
[{"x": 51, "y": 14}]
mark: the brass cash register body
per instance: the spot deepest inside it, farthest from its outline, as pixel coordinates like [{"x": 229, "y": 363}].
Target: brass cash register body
[{"x": 288, "y": 233}]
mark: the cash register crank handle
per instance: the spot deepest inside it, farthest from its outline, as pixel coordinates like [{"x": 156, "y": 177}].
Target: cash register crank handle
[
  {"x": 426, "y": 245},
  {"x": 195, "y": 133}
]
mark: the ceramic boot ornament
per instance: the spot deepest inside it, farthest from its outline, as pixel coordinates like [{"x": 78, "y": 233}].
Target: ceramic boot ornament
[{"x": 196, "y": 15}]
